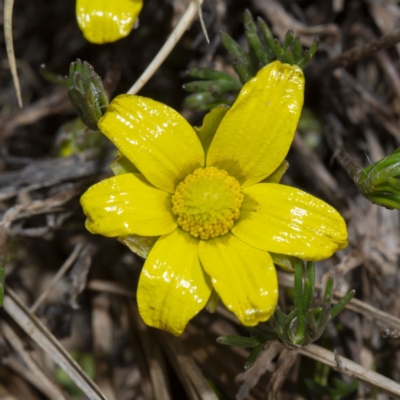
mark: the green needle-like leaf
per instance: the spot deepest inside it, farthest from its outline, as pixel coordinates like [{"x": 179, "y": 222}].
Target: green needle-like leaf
[
  {"x": 251, "y": 359},
  {"x": 298, "y": 285},
  {"x": 280, "y": 53},
  {"x": 215, "y": 87},
  {"x": 297, "y": 49},
  {"x": 289, "y": 56},
  {"x": 314, "y": 47},
  {"x": 269, "y": 39},
  {"x": 341, "y": 304},
  {"x": 207, "y": 73},
  {"x": 238, "y": 341},
  {"x": 243, "y": 70},
  {"x": 289, "y": 38},
  {"x": 233, "y": 47},
  {"x": 252, "y": 37}
]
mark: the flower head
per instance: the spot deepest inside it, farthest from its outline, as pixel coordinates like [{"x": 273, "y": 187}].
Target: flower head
[
  {"x": 103, "y": 21},
  {"x": 204, "y": 198}
]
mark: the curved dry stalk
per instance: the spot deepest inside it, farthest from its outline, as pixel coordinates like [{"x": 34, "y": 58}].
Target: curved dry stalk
[
  {"x": 203, "y": 26},
  {"x": 350, "y": 368},
  {"x": 37, "y": 332},
  {"x": 8, "y": 10},
  {"x": 168, "y": 46},
  {"x": 61, "y": 272}
]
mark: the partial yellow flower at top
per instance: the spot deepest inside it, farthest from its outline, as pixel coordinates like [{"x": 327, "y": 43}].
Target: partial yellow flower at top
[
  {"x": 103, "y": 21},
  {"x": 208, "y": 198}
]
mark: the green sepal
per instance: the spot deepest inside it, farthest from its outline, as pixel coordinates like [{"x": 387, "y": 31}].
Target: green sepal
[
  {"x": 210, "y": 125},
  {"x": 122, "y": 165},
  {"x": 212, "y": 302},
  {"x": 283, "y": 261},
  {"x": 140, "y": 245}
]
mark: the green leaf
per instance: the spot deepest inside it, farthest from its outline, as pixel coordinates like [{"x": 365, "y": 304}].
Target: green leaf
[
  {"x": 207, "y": 73},
  {"x": 251, "y": 359},
  {"x": 341, "y": 304},
  {"x": 250, "y": 31},
  {"x": 243, "y": 69},
  {"x": 269, "y": 39},
  {"x": 215, "y": 87},
  {"x": 238, "y": 341},
  {"x": 233, "y": 47}
]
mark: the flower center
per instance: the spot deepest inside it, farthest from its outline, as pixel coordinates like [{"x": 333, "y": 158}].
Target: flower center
[{"x": 207, "y": 202}]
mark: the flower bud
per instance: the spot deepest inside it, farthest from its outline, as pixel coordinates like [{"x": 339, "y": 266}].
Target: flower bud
[
  {"x": 380, "y": 181},
  {"x": 87, "y": 93}
]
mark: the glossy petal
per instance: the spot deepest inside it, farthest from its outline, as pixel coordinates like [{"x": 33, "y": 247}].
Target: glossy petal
[
  {"x": 285, "y": 220},
  {"x": 173, "y": 287},
  {"x": 256, "y": 133},
  {"x": 244, "y": 277},
  {"x": 127, "y": 204},
  {"x": 103, "y": 21},
  {"x": 155, "y": 138},
  {"x": 210, "y": 125}
]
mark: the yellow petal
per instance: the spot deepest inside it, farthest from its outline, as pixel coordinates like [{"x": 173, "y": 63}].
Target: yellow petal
[
  {"x": 285, "y": 220},
  {"x": 154, "y": 137},
  {"x": 243, "y": 276},
  {"x": 127, "y": 204},
  {"x": 256, "y": 133},
  {"x": 173, "y": 287},
  {"x": 210, "y": 125},
  {"x": 103, "y": 21},
  {"x": 121, "y": 165}
]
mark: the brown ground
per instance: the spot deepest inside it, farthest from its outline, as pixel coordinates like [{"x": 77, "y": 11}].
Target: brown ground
[{"x": 90, "y": 307}]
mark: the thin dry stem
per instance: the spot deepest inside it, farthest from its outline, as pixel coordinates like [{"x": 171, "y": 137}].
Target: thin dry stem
[
  {"x": 351, "y": 368},
  {"x": 37, "y": 332},
  {"x": 8, "y": 11},
  {"x": 61, "y": 272},
  {"x": 356, "y": 54},
  {"x": 169, "y": 45}
]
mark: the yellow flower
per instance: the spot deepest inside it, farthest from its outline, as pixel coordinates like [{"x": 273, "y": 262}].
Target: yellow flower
[
  {"x": 203, "y": 196},
  {"x": 103, "y": 21}
]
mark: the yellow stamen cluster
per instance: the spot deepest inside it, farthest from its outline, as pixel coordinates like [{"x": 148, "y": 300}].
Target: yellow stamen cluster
[{"x": 207, "y": 202}]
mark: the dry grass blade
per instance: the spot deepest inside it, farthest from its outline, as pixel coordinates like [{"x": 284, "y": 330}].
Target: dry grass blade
[
  {"x": 61, "y": 272},
  {"x": 8, "y": 10},
  {"x": 169, "y": 45},
  {"x": 154, "y": 357},
  {"x": 42, "y": 381},
  {"x": 203, "y": 26},
  {"x": 193, "y": 380},
  {"x": 47, "y": 342},
  {"x": 352, "y": 369}
]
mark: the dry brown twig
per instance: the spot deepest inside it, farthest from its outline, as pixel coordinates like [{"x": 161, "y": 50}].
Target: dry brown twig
[
  {"x": 358, "y": 53},
  {"x": 37, "y": 332},
  {"x": 169, "y": 45},
  {"x": 8, "y": 11}
]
